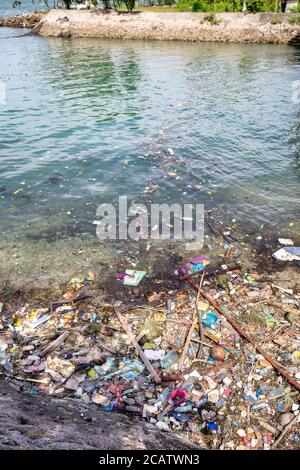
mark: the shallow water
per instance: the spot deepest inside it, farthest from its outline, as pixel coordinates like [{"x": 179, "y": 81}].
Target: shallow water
[{"x": 88, "y": 120}]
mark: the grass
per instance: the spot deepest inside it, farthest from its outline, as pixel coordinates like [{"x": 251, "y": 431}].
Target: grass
[
  {"x": 276, "y": 20},
  {"x": 295, "y": 20},
  {"x": 211, "y": 19}
]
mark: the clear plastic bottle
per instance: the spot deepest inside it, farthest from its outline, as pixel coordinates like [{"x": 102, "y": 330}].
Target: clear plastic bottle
[
  {"x": 259, "y": 406},
  {"x": 169, "y": 360}
]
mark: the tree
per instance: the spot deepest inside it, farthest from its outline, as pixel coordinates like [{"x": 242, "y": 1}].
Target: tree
[
  {"x": 66, "y": 3},
  {"x": 130, "y": 4}
]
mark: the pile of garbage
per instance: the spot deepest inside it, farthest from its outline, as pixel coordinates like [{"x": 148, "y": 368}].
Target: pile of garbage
[{"x": 217, "y": 360}]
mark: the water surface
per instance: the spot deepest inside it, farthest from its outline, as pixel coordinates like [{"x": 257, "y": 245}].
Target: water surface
[{"x": 88, "y": 120}]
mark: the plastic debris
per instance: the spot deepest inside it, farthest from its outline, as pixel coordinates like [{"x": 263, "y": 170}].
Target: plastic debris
[
  {"x": 130, "y": 360},
  {"x": 133, "y": 277},
  {"x": 288, "y": 253}
]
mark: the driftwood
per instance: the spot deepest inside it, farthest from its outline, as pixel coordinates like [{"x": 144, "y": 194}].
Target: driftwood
[
  {"x": 249, "y": 338},
  {"x": 137, "y": 347},
  {"x": 199, "y": 315},
  {"x": 60, "y": 303},
  {"x": 287, "y": 428},
  {"x": 187, "y": 344},
  {"x": 217, "y": 233},
  {"x": 52, "y": 346}
]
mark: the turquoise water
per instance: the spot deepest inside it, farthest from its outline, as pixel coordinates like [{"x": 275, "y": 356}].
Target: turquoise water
[{"x": 88, "y": 120}]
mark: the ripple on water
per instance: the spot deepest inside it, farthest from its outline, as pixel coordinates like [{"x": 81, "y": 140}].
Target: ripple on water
[{"x": 103, "y": 114}]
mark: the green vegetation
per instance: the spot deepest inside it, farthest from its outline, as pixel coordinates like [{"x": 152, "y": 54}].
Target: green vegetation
[
  {"x": 295, "y": 20},
  {"x": 130, "y": 4},
  {"x": 207, "y": 6},
  {"x": 211, "y": 19},
  {"x": 297, "y": 9},
  {"x": 253, "y": 6},
  {"x": 276, "y": 20}
]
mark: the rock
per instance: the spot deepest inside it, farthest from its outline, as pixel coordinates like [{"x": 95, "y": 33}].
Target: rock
[
  {"x": 107, "y": 331},
  {"x": 217, "y": 353},
  {"x": 22, "y": 21},
  {"x": 151, "y": 328},
  {"x": 241, "y": 433},
  {"x": 292, "y": 318},
  {"x": 285, "y": 419}
]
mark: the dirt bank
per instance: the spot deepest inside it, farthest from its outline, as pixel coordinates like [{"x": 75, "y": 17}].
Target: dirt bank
[
  {"x": 225, "y": 27},
  {"x": 66, "y": 424}
]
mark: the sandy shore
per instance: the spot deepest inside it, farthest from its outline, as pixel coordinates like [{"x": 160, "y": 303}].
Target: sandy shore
[{"x": 223, "y": 27}]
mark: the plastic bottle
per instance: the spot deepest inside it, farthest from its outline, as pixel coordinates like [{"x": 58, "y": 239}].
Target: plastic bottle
[
  {"x": 259, "y": 406},
  {"x": 220, "y": 403},
  {"x": 169, "y": 360},
  {"x": 183, "y": 409},
  {"x": 201, "y": 402},
  {"x": 276, "y": 392},
  {"x": 133, "y": 409}
]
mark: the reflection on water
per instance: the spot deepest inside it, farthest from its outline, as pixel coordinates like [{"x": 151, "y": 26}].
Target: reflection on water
[{"x": 88, "y": 120}]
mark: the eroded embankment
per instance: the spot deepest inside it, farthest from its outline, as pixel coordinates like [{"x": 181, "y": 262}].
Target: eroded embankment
[
  {"x": 223, "y": 27},
  {"x": 21, "y": 21}
]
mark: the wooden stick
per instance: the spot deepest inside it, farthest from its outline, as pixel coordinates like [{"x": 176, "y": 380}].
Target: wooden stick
[
  {"x": 289, "y": 394},
  {"x": 187, "y": 343},
  {"x": 140, "y": 335},
  {"x": 199, "y": 314},
  {"x": 25, "y": 379},
  {"x": 249, "y": 338},
  {"x": 60, "y": 303},
  {"x": 55, "y": 343},
  {"x": 137, "y": 347},
  {"x": 194, "y": 340},
  {"x": 217, "y": 233},
  {"x": 286, "y": 429}
]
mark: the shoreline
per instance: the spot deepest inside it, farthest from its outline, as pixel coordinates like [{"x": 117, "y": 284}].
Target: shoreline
[
  {"x": 266, "y": 28},
  {"x": 61, "y": 259}
]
